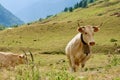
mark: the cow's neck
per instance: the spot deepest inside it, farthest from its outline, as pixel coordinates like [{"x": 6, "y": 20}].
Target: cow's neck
[
  {"x": 86, "y": 47},
  {"x": 83, "y": 40}
]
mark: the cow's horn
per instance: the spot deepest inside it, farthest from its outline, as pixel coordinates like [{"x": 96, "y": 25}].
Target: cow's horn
[
  {"x": 31, "y": 56},
  {"x": 25, "y": 55}
]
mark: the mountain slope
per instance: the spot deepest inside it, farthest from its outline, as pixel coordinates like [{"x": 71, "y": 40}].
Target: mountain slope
[
  {"x": 7, "y": 18},
  {"x": 52, "y": 35}
]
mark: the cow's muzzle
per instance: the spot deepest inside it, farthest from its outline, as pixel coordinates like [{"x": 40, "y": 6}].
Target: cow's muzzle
[{"x": 91, "y": 43}]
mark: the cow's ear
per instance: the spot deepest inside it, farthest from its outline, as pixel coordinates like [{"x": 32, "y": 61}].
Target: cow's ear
[
  {"x": 21, "y": 56},
  {"x": 81, "y": 29},
  {"x": 96, "y": 29}
]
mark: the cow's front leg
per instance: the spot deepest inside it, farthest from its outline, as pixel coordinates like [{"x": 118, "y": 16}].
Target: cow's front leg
[
  {"x": 84, "y": 61},
  {"x": 73, "y": 69},
  {"x": 73, "y": 66},
  {"x": 82, "y": 66}
]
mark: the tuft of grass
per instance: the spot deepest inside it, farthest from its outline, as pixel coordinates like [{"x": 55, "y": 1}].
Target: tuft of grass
[
  {"x": 59, "y": 75},
  {"x": 27, "y": 73},
  {"x": 116, "y": 79},
  {"x": 115, "y": 60}
]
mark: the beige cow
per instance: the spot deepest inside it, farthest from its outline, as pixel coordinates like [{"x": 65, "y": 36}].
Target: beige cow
[
  {"x": 78, "y": 49},
  {"x": 8, "y": 59}
]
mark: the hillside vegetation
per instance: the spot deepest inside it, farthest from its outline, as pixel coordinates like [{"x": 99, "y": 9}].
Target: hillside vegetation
[
  {"x": 50, "y": 37},
  {"x": 52, "y": 34}
]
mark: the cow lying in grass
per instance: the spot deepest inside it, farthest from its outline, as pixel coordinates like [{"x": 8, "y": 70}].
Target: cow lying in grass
[
  {"x": 8, "y": 59},
  {"x": 78, "y": 49}
]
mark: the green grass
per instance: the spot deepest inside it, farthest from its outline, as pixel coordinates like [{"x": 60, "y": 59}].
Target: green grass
[{"x": 98, "y": 67}]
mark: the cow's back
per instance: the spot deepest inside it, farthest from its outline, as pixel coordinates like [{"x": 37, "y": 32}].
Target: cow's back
[{"x": 7, "y": 59}]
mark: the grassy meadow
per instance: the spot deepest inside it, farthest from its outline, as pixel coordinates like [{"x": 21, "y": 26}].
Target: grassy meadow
[{"x": 47, "y": 39}]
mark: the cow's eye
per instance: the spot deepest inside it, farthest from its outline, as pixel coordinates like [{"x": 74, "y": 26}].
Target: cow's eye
[{"x": 86, "y": 33}]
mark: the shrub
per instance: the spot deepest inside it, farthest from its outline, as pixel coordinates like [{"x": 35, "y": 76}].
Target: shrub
[
  {"x": 29, "y": 23},
  {"x": 113, "y": 40},
  {"x": 40, "y": 19},
  {"x": 14, "y": 26},
  {"x": 2, "y": 27},
  {"x": 100, "y": 14}
]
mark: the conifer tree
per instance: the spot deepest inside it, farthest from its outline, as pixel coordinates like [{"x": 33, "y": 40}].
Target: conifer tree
[
  {"x": 80, "y": 4},
  {"x": 66, "y": 9},
  {"x": 70, "y": 9},
  {"x": 91, "y": 1},
  {"x": 76, "y": 5},
  {"x": 84, "y": 3}
]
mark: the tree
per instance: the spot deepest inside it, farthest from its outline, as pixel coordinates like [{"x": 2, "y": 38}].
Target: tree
[
  {"x": 76, "y": 5},
  {"x": 70, "y": 9},
  {"x": 49, "y": 16},
  {"x": 66, "y": 9},
  {"x": 80, "y": 4},
  {"x": 91, "y": 1},
  {"x": 40, "y": 19},
  {"x": 84, "y": 4}
]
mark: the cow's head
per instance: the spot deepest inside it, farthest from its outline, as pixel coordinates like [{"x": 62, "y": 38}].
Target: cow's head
[
  {"x": 88, "y": 33},
  {"x": 22, "y": 59}
]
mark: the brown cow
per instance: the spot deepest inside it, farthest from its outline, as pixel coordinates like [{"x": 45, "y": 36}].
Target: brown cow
[
  {"x": 8, "y": 59},
  {"x": 78, "y": 49}
]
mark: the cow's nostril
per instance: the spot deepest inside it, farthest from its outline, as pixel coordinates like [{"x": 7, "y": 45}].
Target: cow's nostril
[{"x": 92, "y": 43}]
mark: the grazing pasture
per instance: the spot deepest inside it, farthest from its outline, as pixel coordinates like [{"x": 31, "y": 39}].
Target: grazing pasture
[{"x": 51, "y": 67}]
